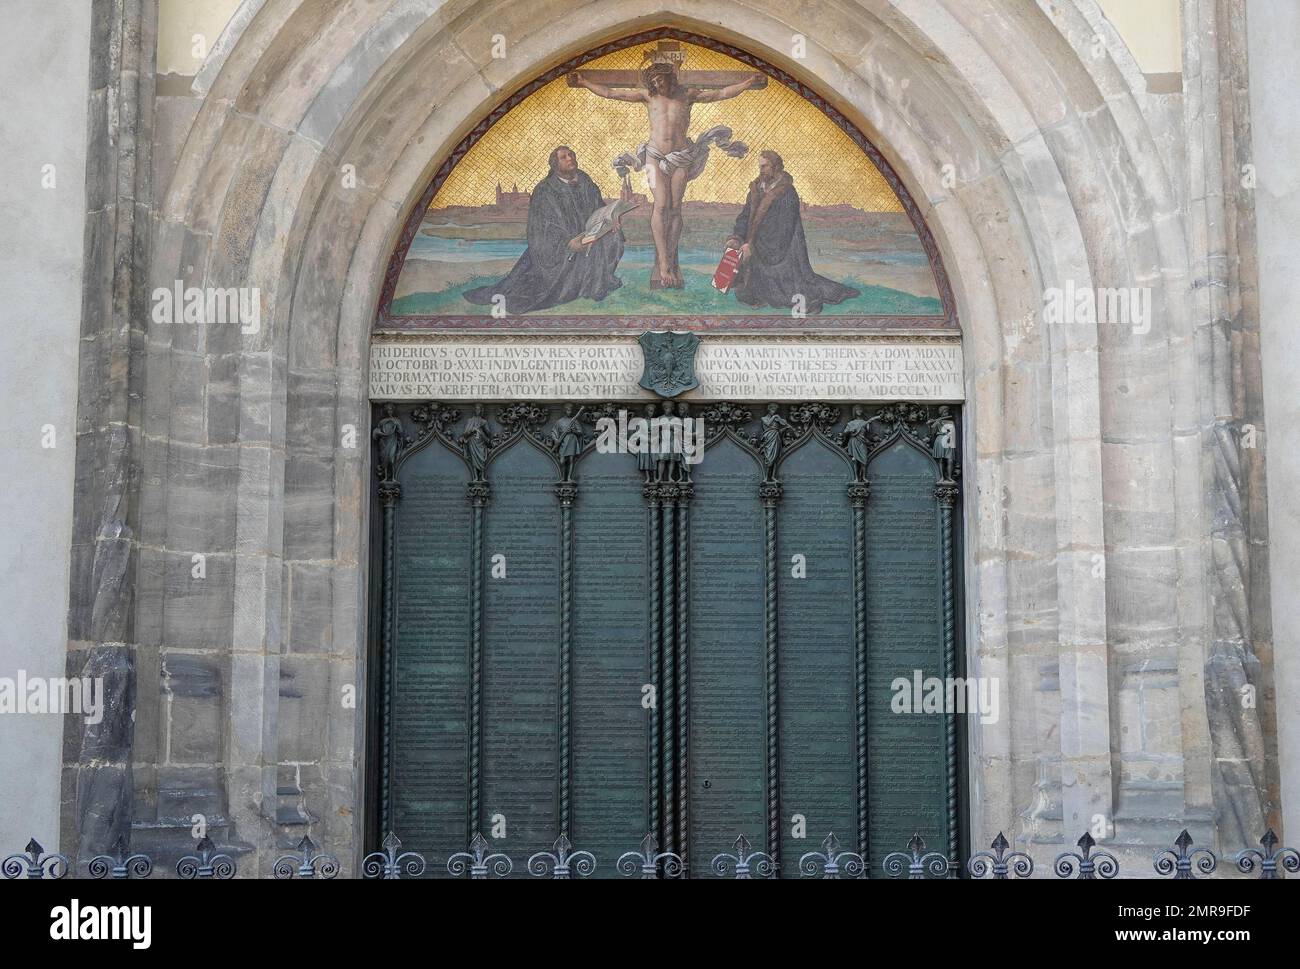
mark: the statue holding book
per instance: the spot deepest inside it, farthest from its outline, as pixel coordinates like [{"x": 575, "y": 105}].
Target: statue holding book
[{"x": 574, "y": 245}]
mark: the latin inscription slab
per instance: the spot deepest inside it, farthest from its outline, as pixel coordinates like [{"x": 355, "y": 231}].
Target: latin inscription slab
[
  {"x": 610, "y": 784},
  {"x": 432, "y": 565},
  {"x": 521, "y": 652},
  {"x": 904, "y": 634},
  {"x": 609, "y": 735},
  {"x": 731, "y": 368},
  {"x": 817, "y": 655},
  {"x": 728, "y": 708}
]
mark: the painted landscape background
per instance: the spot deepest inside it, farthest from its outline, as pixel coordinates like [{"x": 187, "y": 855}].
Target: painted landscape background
[
  {"x": 878, "y": 254},
  {"x": 858, "y": 234}
]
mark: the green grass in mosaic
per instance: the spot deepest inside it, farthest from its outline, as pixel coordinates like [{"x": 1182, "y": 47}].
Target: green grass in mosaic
[{"x": 699, "y": 298}]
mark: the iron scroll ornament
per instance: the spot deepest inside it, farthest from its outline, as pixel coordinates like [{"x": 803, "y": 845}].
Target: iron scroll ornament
[
  {"x": 391, "y": 862},
  {"x": 307, "y": 862},
  {"x": 831, "y": 861},
  {"x": 1089, "y": 864},
  {"x": 999, "y": 862},
  {"x": 36, "y": 862},
  {"x": 649, "y": 861},
  {"x": 562, "y": 861},
  {"x": 1270, "y": 859},
  {"x": 206, "y": 862},
  {"x": 1179, "y": 860},
  {"x": 743, "y": 863},
  {"x": 480, "y": 861},
  {"x": 122, "y": 863},
  {"x": 917, "y": 862}
]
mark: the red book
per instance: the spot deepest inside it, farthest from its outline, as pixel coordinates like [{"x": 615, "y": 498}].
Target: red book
[{"x": 725, "y": 274}]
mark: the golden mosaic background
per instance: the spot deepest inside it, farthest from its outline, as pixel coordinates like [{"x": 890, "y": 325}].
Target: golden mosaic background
[{"x": 828, "y": 168}]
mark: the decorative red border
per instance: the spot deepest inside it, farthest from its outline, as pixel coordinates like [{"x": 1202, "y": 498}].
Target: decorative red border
[{"x": 386, "y": 321}]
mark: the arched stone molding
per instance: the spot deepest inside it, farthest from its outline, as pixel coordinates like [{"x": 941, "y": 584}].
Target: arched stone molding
[{"x": 1063, "y": 169}]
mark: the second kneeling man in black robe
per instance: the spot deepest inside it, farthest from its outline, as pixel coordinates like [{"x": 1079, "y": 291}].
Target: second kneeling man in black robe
[{"x": 774, "y": 266}]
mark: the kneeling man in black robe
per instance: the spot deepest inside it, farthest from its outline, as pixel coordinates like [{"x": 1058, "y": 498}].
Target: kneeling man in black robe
[
  {"x": 556, "y": 267},
  {"x": 774, "y": 265}
]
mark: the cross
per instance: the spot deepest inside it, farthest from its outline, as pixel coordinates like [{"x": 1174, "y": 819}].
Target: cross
[{"x": 667, "y": 52}]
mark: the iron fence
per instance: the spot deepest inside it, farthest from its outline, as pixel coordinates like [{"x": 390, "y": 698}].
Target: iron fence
[{"x": 1181, "y": 861}]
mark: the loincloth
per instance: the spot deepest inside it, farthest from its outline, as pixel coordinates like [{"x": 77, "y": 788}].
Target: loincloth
[{"x": 692, "y": 158}]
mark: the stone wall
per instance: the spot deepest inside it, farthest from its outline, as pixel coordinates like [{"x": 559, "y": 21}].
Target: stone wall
[
  {"x": 1274, "y": 79},
  {"x": 1114, "y": 573},
  {"x": 42, "y": 193}
]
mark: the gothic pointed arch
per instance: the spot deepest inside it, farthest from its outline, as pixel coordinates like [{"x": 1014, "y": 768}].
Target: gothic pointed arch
[{"x": 865, "y": 234}]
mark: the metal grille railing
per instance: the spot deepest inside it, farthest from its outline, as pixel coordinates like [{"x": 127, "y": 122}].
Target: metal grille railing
[{"x": 480, "y": 861}]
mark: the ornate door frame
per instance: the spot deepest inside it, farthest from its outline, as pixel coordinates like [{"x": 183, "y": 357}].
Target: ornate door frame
[{"x": 402, "y": 431}]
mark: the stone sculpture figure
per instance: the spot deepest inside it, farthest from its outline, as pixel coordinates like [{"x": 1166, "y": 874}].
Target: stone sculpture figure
[
  {"x": 388, "y": 432},
  {"x": 856, "y": 437},
  {"x": 774, "y": 428},
  {"x": 668, "y": 454},
  {"x": 567, "y": 435},
  {"x": 646, "y": 458},
  {"x": 684, "y": 466},
  {"x": 944, "y": 446},
  {"x": 477, "y": 440}
]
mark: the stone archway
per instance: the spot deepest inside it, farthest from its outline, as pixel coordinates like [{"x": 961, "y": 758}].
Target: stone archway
[{"x": 1035, "y": 163}]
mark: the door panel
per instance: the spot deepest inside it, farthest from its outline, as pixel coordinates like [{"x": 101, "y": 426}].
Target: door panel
[
  {"x": 431, "y": 623},
  {"x": 818, "y": 708},
  {"x": 608, "y": 657},
  {"x": 728, "y": 716},
  {"x": 520, "y": 659},
  {"x": 905, "y": 750}
]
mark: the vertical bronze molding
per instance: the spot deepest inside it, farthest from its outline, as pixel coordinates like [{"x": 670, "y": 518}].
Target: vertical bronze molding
[
  {"x": 567, "y": 493},
  {"x": 651, "y": 492},
  {"x": 669, "y": 495},
  {"x": 478, "y": 492},
  {"x": 770, "y": 493},
  {"x": 390, "y": 492},
  {"x": 859, "y": 492},
  {"x": 946, "y": 493},
  {"x": 685, "y": 493}
]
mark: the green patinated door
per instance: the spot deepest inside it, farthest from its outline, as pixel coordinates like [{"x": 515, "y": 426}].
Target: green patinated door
[{"x": 608, "y": 647}]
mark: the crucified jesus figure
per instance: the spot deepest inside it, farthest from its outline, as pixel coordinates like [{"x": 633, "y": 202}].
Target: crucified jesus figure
[{"x": 669, "y": 156}]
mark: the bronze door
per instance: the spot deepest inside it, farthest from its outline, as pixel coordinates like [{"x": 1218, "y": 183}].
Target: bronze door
[{"x": 575, "y": 640}]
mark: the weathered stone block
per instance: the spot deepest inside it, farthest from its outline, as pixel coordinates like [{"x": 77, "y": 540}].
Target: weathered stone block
[
  {"x": 311, "y": 627},
  {"x": 193, "y": 686}
]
